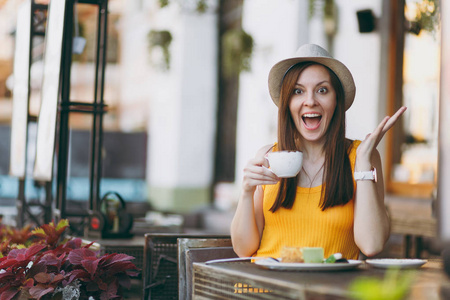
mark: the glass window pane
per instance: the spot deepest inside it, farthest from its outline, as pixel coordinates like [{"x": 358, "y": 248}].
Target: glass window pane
[{"x": 421, "y": 67}]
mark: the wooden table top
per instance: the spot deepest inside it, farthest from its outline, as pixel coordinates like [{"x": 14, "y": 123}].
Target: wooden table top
[{"x": 430, "y": 282}]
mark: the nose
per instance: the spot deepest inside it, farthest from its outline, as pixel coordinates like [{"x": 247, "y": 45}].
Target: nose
[{"x": 310, "y": 99}]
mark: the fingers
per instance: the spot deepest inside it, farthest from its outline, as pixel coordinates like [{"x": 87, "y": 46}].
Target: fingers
[
  {"x": 381, "y": 129},
  {"x": 372, "y": 140},
  {"x": 260, "y": 157},
  {"x": 264, "y": 150},
  {"x": 387, "y": 123},
  {"x": 257, "y": 173},
  {"x": 392, "y": 120},
  {"x": 260, "y": 161},
  {"x": 262, "y": 173}
]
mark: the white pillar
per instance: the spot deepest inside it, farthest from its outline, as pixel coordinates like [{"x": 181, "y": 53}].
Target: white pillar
[
  {"x": 278, "y": 28},
  {"x": 444, "y": 139},
  {"x": 135, "y": 67},
  {"x": 182, "y": 110}
]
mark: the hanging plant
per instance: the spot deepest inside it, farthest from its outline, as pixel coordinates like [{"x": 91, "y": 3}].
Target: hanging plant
[
  {"x": 329, "y": 14},
  {"x": 163, "y": 3},
  {"x": 427, "y": 15},
  {"x": 237, "y": 48},
  {"x": 328, "y": 7},
  {"x": 160, "y": 39},
  {"x": 200, "y": 6}
]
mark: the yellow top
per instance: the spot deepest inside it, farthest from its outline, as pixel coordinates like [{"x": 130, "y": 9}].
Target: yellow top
[{"x": 306, "y": 225}]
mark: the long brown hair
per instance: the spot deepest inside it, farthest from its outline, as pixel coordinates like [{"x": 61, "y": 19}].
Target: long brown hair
[{"x": 338, "y": 184}]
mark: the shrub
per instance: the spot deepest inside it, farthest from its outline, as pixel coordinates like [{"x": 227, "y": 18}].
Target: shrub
[{"x": 47, "y": 266}]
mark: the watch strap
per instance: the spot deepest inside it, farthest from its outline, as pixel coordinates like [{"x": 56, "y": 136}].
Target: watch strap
[{"x": 366, "y": 175}]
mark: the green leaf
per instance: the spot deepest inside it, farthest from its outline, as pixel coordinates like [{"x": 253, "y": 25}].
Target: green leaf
[
  {"x": 62, "y": 224},
  {"x": 394, "y": 286}
]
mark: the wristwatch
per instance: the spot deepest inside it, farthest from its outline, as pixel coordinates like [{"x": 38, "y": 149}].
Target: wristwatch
[{"x": 366, "y": 175}]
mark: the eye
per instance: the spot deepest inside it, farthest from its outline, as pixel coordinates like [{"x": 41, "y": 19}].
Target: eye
[
  {"x": 298, "y": 91},
  {"x": 322, "y": 90}
]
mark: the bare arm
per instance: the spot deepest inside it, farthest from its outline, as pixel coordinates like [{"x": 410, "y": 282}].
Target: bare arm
[
  {"x": 248, "y": 221},
  {"x": 371, "y": 222}
]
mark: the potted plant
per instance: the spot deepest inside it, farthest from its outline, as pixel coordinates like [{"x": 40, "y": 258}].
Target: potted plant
[{"x": 48, "y": 266}]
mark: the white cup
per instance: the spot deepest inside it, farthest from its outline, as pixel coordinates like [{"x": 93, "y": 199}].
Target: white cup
[{"x": 285, "y": 164}]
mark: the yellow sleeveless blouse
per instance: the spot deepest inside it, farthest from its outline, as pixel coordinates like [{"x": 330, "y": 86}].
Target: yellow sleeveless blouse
[{"x": 306, "y": 225}]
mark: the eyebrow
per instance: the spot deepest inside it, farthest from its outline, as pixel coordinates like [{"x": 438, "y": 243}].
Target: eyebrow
[{"x": 322, "y": 82}]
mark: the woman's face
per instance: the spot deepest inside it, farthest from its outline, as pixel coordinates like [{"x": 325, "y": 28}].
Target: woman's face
[{"x": 313, "y": 102}]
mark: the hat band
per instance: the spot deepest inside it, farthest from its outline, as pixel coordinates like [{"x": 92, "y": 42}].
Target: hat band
[
  {"x": 291, "y": 67},
  {"x": 287, "y": 71}
]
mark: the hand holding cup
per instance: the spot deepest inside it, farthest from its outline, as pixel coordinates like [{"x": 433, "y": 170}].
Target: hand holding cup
[{"x": 285, "y": 164}]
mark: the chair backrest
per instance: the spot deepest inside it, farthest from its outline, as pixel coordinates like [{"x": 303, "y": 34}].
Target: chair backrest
[
  {"x": 160, "y": 270},
  {"x": 192, "y": 250},
  {"x": 201, "y": 255}
]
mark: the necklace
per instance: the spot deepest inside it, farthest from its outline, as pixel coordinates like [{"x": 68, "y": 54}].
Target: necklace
[{"x": 314, "y": 178}]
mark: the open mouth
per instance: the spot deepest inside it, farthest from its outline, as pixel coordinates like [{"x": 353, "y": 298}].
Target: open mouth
[{"x": 311, "y": 121}]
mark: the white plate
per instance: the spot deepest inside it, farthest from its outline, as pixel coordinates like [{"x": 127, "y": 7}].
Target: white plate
[
  {"x": 401, "y": 263},
  {"x": 273, "y": 265}
]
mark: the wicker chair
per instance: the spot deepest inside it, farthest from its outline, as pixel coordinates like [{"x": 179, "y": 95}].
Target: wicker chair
[
  {"x": 192, "y": 250},
  {"x": 162, "y": 262}
]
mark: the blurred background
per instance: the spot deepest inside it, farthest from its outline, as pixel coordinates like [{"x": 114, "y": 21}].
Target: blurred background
[{"x": 188, "y": 102}]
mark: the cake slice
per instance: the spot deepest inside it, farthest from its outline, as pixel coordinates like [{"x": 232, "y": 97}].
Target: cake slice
[{"x": 291, "y": 255}]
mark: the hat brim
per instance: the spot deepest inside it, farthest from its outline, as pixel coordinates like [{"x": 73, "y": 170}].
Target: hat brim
[{"x": 278, "y": 72}]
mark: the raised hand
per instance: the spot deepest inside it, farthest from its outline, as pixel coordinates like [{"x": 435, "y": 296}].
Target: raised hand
[{"x": 369, "y": 144}]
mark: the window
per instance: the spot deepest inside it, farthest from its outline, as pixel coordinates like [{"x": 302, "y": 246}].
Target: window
[{"x": 413, "y": 167}]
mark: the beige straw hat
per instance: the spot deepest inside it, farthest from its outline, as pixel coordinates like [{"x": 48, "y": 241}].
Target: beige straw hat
[{"x": 314, "y": 53}]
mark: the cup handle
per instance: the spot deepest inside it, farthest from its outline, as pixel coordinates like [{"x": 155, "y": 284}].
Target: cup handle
[{"x": 269, "y": 170}]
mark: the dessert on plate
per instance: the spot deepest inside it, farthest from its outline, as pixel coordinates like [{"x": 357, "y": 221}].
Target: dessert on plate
[{"x": 290, "y": 254}]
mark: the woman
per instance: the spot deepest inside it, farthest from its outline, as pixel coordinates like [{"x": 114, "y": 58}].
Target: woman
[{"x": 323, "y": 206}]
